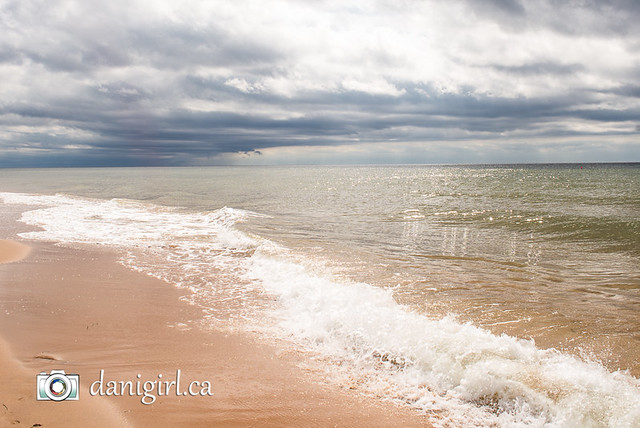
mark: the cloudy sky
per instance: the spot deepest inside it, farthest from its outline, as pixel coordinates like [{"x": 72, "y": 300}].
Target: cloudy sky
[{"x": 90, "y": 83}]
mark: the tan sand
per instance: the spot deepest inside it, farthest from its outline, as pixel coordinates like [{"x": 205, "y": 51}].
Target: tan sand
[
  {"x": 12, "y": 251},
  {"x": 19, "y": 407},
  {"x": 80, "y": 311}
]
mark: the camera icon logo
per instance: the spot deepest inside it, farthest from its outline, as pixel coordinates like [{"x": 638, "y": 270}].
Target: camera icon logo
[{"x": 57, "y": 386}]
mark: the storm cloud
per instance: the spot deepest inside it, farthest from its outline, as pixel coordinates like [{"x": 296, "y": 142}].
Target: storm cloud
[{"x": 206, "y": 82}]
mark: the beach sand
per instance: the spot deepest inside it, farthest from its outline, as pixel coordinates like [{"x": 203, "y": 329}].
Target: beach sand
[
  {"x": 11, "y": 251},
  {"x": 80, "y": 311}
]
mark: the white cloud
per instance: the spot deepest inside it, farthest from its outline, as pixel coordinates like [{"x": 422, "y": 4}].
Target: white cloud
[{"x": 220, "y": 74}]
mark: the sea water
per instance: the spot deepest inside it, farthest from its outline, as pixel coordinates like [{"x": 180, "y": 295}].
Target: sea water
[{"x": 504, "y": 295}]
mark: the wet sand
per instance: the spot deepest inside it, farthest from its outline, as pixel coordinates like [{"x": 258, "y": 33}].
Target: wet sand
[{"x": 80, "y": 311}]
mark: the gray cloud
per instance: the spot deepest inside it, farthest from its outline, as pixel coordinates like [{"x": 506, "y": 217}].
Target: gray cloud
[
  {"x": 630, "y": 90},
  {"x": 587, "y": 17},
  {"x": 540, "y": 68},
  {"x": 93, "y": 84}
]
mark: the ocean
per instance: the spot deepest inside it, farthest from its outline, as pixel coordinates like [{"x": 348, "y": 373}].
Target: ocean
[{"x": 505, "y": 295}]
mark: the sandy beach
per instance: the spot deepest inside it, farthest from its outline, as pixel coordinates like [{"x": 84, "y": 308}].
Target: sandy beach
[
  {"x": 11, "y": 251},
  {"x": 80, "y": 311}
]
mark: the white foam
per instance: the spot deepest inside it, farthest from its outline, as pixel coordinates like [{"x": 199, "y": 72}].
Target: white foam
[
  {"x": 463, "y": 374},
  {"x": 118, "y": 222},
  {"x": 198, "y": 251},
  {"x": 443, "y": 364}
]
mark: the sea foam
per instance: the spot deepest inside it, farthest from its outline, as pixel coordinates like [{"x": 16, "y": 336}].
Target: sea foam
[{"x": 459, "y": 373}]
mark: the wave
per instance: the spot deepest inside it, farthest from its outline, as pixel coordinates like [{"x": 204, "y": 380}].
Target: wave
[{"x": 461, "y": 374}]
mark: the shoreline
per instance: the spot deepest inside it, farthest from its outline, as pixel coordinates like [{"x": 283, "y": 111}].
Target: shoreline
[{"x": 80, "y": 311}]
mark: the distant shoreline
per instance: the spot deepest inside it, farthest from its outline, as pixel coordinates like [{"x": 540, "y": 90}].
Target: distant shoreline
[{"x": 382, "y": 165}]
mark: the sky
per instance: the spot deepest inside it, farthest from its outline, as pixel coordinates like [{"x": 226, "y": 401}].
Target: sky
[{"x": 143, "y": 83}]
